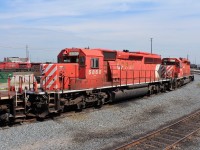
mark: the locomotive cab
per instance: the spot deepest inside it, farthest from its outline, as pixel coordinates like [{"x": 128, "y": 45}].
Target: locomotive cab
[
  {"x": 173, "y": 67},
  {"x": 68, "y": 56},
  {"x": 90, "y": 62},
  {"x": 76, "y": 69}
]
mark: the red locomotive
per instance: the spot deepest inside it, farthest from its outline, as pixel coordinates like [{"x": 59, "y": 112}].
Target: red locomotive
[
  {"x": 84, "y": 77},
  {"x": 79, "y": 69},
  {"x": 177, "y": 69}
]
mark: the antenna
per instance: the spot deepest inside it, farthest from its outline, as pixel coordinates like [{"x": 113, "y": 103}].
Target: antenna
[
  {"x": 27, "y": 51},
  {"x": 151, "y": 44}
]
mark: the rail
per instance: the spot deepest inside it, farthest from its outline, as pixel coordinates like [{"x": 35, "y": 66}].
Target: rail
[
  {"x": 194, "y": 71},
  {"x": 168, "y": 137}
]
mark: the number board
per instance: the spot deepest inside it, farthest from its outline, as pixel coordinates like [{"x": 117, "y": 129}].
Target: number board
[{"x": 73, "y": 53}]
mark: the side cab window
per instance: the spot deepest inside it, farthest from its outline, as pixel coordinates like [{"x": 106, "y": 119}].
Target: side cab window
[{"x": 94, "y": 63}]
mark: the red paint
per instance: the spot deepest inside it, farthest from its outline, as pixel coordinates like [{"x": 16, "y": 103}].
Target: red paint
[{"x": 94, "y": 68}]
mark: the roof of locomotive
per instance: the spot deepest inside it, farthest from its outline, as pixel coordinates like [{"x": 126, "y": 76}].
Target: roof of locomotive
[
  {"x": 126, "y": 55},
  {"x": 92, "y": 52},
  {"x": 86, "y": 51},
  {"x": 119, "y": 54}
]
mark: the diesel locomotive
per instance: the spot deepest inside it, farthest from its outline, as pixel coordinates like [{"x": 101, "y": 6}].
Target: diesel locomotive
[{"x": 92, "y": 77}]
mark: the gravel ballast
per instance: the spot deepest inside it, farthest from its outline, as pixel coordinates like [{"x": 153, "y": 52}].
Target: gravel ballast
[{"x": 106, "y": 127}]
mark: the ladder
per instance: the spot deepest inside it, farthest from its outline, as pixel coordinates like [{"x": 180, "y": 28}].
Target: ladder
[
  {"x": 19, "y": 108},
  {"x": 53, "y": 103}
]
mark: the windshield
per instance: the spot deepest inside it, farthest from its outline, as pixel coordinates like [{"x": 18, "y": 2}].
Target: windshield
[{"x": 70, "y": 59}]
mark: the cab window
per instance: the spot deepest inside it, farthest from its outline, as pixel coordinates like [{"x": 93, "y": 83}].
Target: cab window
[
  {"x": 94, "y": 63},
  {"x": 70, "y": 59}
]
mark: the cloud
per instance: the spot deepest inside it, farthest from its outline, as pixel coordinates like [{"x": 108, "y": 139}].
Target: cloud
[
  {"x": 41, "y": 8},
  {"x": 113, "y": 24}
]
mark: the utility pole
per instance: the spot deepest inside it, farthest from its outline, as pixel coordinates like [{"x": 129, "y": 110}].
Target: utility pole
[
  {"x": 27, "y": 51},
  {"x": 151, "y": 44}
]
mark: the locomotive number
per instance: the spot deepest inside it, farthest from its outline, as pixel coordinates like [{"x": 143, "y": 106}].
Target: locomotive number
[{"x": 95, "y": 71}]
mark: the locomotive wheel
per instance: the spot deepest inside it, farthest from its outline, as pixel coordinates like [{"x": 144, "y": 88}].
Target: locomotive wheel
[
  {"x": 79, "y": 107},
  {"x": 192, "y": 78},
  {"x": 175, "y": 84},
  {"x": 4, "y": 119},
  {"x": 156, "y": 89},
  {"x": 98, "y": 104},
  {"x": 170, "y": 87},
  {"x": 178, "y": 84},
  {"x": 4, "y": 115},
  {"x": 150, "y": 92},
  {"x": 163, "y": 88}
]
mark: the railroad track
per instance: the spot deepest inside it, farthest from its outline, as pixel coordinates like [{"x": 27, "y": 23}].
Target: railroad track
[
  {"x": 167, "y": 137},
  {"x": 197, "y": 72}
]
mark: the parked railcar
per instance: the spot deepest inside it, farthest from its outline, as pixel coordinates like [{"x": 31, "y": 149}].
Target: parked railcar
[{"x": 18, "y": 64}]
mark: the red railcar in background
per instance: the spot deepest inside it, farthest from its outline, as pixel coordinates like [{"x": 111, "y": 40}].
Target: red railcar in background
[
  {"x": 4, "y": 66},
  {"x": 16, "y": 64}
]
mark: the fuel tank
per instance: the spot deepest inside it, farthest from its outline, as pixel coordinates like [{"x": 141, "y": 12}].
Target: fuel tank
[{"x": 127, "y": 94}]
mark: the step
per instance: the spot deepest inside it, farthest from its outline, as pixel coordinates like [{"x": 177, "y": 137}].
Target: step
[
  {"x": 53, "y": 111},
  {"x": 19, "y": 108},
  {"x": 20, "y": 101},
  {"x": 51, "y": 105},
  {"x": 19, "y": 120},
  {"x": 30, "y": 115},
  {"x": 20, "y": 116}
]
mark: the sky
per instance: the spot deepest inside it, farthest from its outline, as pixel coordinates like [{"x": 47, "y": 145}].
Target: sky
[{"x": 48, "y": 26}]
